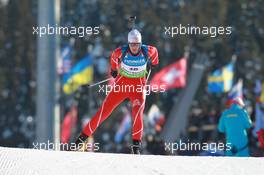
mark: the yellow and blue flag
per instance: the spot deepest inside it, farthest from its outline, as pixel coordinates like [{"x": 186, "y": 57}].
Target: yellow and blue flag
[
  {"x": 262, "y": 94},
  {"x": 80, "y": 74},
  {"x": 221, "y": 80}
]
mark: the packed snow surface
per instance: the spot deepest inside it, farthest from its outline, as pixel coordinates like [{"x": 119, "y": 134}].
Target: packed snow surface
[{"x": 18, "y": 161}]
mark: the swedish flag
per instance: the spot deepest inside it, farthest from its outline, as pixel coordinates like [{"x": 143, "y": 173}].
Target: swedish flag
[
  {"x": 80, "y": 74},
  {"x": 221, "y": 80}
]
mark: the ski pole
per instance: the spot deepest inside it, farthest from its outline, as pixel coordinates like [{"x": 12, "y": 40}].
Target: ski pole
[
  {"x": 100, "y": 82},
  {"x": 148, "y": 75}
]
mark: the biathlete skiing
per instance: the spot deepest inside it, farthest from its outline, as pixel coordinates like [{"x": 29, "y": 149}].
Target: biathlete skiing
[{"x": 130, "y": 65}]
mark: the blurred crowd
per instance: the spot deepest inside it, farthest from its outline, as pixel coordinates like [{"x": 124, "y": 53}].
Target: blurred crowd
[{"x": 18, "y": 57}]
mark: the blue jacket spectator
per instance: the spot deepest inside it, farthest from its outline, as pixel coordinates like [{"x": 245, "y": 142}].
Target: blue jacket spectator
[{"x": 234, "y": 122}]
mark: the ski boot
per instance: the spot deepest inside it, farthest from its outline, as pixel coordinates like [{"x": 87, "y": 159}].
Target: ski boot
[
  {"x": 135, "y": 148},
  {"x": 81, "y": 142}
]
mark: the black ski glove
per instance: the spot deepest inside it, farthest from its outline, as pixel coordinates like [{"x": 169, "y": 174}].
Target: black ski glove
[
  {"x": 114, "y": 73},
  {"x": 149, "y": 65}
]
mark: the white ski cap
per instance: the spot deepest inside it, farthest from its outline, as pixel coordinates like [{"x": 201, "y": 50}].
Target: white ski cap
[
  {"x": 239, "y": 101},
  {"x": 134, "y": 36}
]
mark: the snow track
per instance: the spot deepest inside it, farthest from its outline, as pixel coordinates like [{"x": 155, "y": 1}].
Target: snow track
[{"x": 17, "y": 161}]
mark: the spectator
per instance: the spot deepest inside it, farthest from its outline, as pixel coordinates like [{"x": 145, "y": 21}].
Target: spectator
[{"x": 234, "y": 122}]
